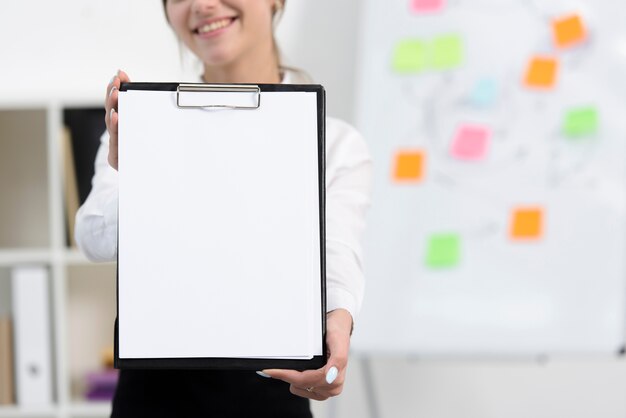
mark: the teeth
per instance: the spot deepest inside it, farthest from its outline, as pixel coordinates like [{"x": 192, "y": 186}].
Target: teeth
[{"x": 214, "y": 26}]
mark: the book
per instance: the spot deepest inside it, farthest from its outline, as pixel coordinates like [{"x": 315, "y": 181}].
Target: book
[
  {"x": 7, "y": 388},
  {"x": 70, "y": 184},
  {"x": 86, "y": 126},
  {"x": 31, "y": 315},
  {"x": 101, "y": 385}
]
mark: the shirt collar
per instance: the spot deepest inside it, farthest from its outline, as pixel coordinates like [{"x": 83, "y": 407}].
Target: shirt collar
[{"x": 287, "y": 77}]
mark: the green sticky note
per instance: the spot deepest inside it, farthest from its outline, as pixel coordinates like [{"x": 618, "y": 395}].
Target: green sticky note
[
  {"x": 444, "y": 250},
  {"x": 447, "y": 52},
  {"x": 580, "y": 122},
  {"x": 410, "y": 56}
]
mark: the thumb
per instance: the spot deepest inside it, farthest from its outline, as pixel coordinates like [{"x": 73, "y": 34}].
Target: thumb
[
  {"x": 123, "y": 76},
  {"x": 338, "y": 346}
]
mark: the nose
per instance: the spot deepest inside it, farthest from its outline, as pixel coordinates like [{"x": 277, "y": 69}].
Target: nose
[{"x": 202, "y": 7}]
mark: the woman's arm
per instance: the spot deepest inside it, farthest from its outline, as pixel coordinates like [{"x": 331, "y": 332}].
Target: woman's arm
[{"x": 96, "y": 220}]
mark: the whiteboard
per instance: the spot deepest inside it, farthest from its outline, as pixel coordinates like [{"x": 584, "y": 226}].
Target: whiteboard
[{"x": 498, "y": 133}]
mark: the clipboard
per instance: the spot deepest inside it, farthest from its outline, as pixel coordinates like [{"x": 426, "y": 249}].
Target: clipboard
[{"x": 221, "y": 231}]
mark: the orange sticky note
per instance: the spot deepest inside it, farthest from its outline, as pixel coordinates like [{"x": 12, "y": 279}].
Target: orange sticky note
[
  {"x": 568, "y": 31},
  {"x": 541, "y": 72},
  {"x": 409, "y": 166},
  {"x": 527, "y": 223}
]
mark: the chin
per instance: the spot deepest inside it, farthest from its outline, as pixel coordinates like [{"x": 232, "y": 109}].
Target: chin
[{"x": 217, "y": 59}]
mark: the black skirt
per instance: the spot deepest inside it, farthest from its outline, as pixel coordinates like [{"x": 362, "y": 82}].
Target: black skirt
[{"x": 204, "y": 393}]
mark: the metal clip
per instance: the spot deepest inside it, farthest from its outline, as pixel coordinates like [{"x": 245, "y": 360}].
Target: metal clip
[{"x": 218, "y": 88}]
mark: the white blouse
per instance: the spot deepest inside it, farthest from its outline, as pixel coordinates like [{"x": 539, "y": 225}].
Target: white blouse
[{"x": 348, "y": 176}]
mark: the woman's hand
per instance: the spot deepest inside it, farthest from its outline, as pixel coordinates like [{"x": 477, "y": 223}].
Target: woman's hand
[
  {"x": 111, "y": 116},
  {"x": 328, "y": 381}
]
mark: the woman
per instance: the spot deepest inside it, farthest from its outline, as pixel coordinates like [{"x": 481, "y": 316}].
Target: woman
[{"x": 234, "y": 41}]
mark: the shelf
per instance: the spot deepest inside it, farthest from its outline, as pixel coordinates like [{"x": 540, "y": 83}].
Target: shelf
[
  {"x": 19, "y": 412},
  {"x": 90, "y": 409},
  {"x": 74, "y": 256},
  {"x": 14, "y": 257},
  {"x": 77, "y": 409},
  {"x": 34, "y": 220}
]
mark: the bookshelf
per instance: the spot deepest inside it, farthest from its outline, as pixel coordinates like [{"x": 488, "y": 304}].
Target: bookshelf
[{"x": 33, "y": 231}]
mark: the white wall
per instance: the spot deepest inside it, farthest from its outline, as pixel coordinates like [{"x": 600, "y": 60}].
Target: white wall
[{"x": 69, "y": 49}]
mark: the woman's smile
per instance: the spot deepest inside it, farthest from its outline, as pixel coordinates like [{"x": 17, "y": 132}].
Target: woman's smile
[{"x": 213, "y": 27}]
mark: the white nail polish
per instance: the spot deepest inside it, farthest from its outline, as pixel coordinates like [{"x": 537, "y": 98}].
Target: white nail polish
[
  {"x": 264, "y": 374},
  {"x": 111, "y": 114},
  {"x": 331, "y": 375},
  {"x": 112, "y": 89}
]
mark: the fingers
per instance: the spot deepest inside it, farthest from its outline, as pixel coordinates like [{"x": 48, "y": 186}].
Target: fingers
[
  {"x": 329, "y": 380},
  {"x": 318, "y": 380},
  {"x": 300, "y": 379},
  {"x": 111, "y": 116}
]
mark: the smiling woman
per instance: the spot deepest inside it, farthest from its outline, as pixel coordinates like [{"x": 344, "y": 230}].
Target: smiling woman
[{"x": 234, "y": 40}]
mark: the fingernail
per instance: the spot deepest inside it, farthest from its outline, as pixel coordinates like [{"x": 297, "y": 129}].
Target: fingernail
[
  {"x": 112, "y": 90},
  {"x": 111, "y": 114},
  {"x": 264, "y": 375},
  {"x": 331, "y": 375}
]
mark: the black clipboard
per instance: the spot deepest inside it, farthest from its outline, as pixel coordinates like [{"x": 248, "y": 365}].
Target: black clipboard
[{"x": 256, "y": 94}]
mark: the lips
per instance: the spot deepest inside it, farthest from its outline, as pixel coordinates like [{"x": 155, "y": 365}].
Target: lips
[{"x": 206, "y": 28}]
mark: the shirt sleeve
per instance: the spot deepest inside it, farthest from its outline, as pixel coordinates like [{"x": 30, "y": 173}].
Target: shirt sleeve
[
  {"x": 96, "y": 219},
  {"x": 348, "y": 178}
]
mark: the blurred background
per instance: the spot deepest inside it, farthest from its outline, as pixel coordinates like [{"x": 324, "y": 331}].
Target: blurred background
[{"x": 496, "y": 239}]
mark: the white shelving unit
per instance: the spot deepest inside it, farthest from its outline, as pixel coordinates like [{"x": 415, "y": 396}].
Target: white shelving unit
[{"x": 33, "y": 231}]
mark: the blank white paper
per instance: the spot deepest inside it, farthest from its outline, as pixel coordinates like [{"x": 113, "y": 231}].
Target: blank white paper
[{"x": 219, "y": 228}]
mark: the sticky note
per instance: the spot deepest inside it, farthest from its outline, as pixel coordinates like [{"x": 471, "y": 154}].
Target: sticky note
[
  {"x": 470, "y": 142},
  {"x": 444, "y": 250},
  {"x": 527, "y": 223},
  {"x": 409, "y": 166},
  {"x": 580, "y": 121},
  {"x": 447, "y": 52},
  {"x": 410, "y": 56},
  {"x": 484, "y": 92},
  {"x": 568, "y": 31},
  {"x": 541, "y": 72},
  {"x": 426, "y": 6}
]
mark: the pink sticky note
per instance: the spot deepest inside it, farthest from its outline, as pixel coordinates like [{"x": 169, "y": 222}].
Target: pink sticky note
[
  {"x": 426, "y": 6},
  {"x": 470, "y": 142}
]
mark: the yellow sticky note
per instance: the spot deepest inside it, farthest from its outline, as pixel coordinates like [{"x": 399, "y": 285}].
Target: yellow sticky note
[
  {"x": 527, "y": 223},
  {"x": 447, "y": 52},
  {"x": 410, "y": 56},
  {"x": 541, "y": 72},
  {"x": 409, "y": 166},
  {"x": 568, "y": 31}
]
